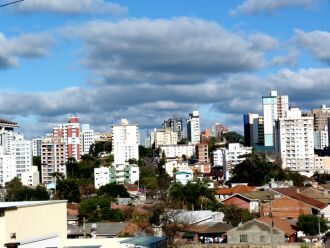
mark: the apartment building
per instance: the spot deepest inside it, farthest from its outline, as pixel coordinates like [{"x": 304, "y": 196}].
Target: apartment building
[
  {"x": 230, "y": 157},
  {"x": 193, "y": 128},
  {"x": 203, "y": 152},
  {"x": 218, "y": 130},
  {"x": 36, "y": 146},
  {"x": 295, "y": 141},
  {"x": 120, "y": 173},
  {"x": 321, "y": 116},
  {"x": 87, "y": 138},
  {"x": 175, "y": 151},
  {"x": 165, "y": 136},
  {"x": 125, "y": 142},
  {"x": 53, "y": 158},
  {"x": 274, "y": 107},
  {"x": 70, "y": 134},
  {"x": 321, "y": 138},
  {"x": 176, "y": 125}
]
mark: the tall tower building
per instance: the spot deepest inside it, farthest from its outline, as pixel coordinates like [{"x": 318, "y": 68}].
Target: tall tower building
[
  {"x": 176, "y": 125},
  {"x": 274, "y": 107},
  {"x": 70, "y": 134},
  {"x": 295, "y": 141},
  {"x": 87, "y": 138},
  {"x": 125, "y": 141},
  {"x": 249, "y": 129},
  {"x": 193, "y": 128}
]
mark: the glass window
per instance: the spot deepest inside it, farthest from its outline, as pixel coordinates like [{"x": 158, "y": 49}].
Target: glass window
[{"x": 243, "y": 238}]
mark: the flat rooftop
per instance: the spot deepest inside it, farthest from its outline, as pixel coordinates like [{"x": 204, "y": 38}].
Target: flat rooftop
[{"x": 28, "y": 203}]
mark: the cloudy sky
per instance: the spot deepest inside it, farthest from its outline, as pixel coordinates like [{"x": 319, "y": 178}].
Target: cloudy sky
[{"x": 147, "y": 60}]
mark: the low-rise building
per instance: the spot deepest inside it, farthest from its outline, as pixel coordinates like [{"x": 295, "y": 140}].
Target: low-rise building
[
  {"x": 33, "y": 224},
  {"x": 31, "y": 178},
  {"x": 120, "y": 173},
  {"x": 174, "y": 166},
  {"x": 175, "y": 151},
  {"x": 184, "y": 176}
]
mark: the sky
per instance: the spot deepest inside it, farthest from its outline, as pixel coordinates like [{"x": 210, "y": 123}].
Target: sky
[{"x": 147, "y": 60}]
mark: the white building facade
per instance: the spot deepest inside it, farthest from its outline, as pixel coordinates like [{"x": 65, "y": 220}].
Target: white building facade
[
  {"x": 295, "y": 141},
  {"x": 174, "y": 151},
  {"x": 125, "y": 141},
  {"x": 87, "y": 138},
  {"x": 193, "y": 128},
  {"x": 274, "y": 107},
  {"x": 165, "y": 136}
]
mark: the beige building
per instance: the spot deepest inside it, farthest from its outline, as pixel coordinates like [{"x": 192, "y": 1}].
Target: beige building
[
  {"x": 322, "y": 163},
  {"x": 165, "y": 137},
  {"x": 321, "y": 117},
  {"x": 38, "y": 224},
  {"x": 53, "y": 158}
]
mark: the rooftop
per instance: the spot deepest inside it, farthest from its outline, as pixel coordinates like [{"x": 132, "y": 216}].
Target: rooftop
[
  {"x": 292, "y": 193},
  {"x": 281, "y": 224},
  {"x": 233, "y": 190},
  {"x": 28, "y": 203}
]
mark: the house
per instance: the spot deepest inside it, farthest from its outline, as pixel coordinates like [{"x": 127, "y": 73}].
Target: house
[
  {"x": 317, "y": 194},
  {"x": 316, "y": 206},
  {"x": 276, "y": 184},
  {"x": 255, "y": 232},
  {"x": 199, "y": 217},
  {"x": 215, "y": 233},
  {"x": 249, "y": 200},
  {"x": 105, "y": 230},
  {"x": 290, "y": 230},
  {"x": 184, "y": 176},
  {"x": 285, "y": 207},
  {"x": 224, "y": 193},
  {"x": 33, "y": 224}
]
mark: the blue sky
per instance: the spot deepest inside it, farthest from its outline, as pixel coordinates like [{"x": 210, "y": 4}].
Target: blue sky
[{"x": 147, "y": 60}]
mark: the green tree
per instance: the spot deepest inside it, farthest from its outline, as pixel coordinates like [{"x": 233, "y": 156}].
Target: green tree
[
  {"x": 98, "y": 209},
  {"x": 145, "y": 152},
  {"x": 72, "y": 167},
  {"x": 68, "y": 189},
  {"x": 113, "y": 190},
  {"x": 148, "y": 178},
  {"x": 234, "y": 215},
  {"x": 233, "y": 137},
  {"x": 309, "y": 224},
  {"x": 256, "y": 170},
  {"x": 15, "y": 191},
  {"x": 100, "y": 146}
]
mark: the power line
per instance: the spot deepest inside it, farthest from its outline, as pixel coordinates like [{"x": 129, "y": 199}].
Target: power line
[{"x": 6, "y": 4}]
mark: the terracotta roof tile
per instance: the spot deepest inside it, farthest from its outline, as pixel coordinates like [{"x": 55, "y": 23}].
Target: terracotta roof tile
[
  {"x": 233, "y": 190},
  {"x": 280, "y": 224},
  {"x": 292, "y": 193}
]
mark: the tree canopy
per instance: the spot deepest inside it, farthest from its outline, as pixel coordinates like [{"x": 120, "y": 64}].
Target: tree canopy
[
  {"x": 309, "y": 224},
  {"x": 113, "y": 190},
  {"x": 16, "y": 191}
]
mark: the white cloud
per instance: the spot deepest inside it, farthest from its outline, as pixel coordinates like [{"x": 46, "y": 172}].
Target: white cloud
[
  {"x": 250, "y": 7},
  {"x": 23, "y": 46},
  {"x": 72, "y": 7},
  {"x": 317, "y": 42},
  {"x": 178, "y": 50}
]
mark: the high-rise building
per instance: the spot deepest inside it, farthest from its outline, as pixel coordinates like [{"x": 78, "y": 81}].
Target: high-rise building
[
  {"x": 15, "y": 153},
  {"x": 125, "y": 142},
  {"x": 274, "y": 107},
  {"x": 176, "y": 125},
  {"x": 165, "y": 136},
  {"x": 193, "y": 128},
  {"x": 203, "y": 152},
  {"x": 70, "y": 134},
  {"x": 36, "y": 146},
  {"x": 86, "y": 138},
  {"x": 321, "y": 116},
  {"x": 218, "y": 130},
  {"x": 53, "y": 158},
  {"x": 295, "y": 141},
  {"x": 321, "y": 139},
  {"x": 250, "y": 129},
  {"x": 206, "y": 135},
  {"x": 229, "y": 157}
]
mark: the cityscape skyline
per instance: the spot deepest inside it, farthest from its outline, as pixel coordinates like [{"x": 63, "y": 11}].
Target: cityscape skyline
[{"x": 217, "y": 58}]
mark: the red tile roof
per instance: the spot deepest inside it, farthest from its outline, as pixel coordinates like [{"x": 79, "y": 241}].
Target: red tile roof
[
  {"x": 234, "y": 190},
  {"x": 292, "y": 193},
  {"x": 281, "y": 224}
]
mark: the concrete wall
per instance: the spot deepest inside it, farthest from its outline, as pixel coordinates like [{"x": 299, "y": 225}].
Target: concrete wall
[
  {"x": 286, "y": 245},
  {"x": 37, "y": 222}
]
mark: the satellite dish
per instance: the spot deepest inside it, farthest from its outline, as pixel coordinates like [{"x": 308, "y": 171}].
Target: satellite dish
[{"x": 94, "y": 226}]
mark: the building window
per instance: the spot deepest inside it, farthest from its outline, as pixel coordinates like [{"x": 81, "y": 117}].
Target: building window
[{"x": 243, "y": 238}]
